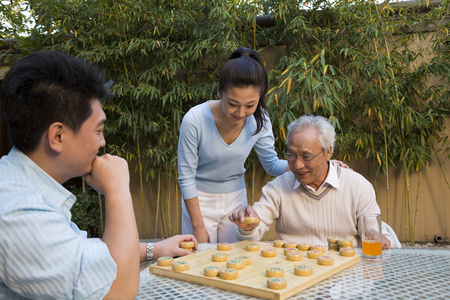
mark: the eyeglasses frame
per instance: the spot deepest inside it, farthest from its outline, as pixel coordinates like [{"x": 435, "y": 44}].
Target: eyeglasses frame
[{"x": 293, "y": 157}]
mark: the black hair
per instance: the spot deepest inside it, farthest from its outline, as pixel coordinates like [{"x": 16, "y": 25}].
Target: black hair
[
  {"x": 47, "y": 87},
  {"x": 245, "y": 68}
]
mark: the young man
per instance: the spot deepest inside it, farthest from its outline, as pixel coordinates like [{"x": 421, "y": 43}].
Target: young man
[
  {"x": 51, "y": 104},
  {"x": 318, "y": 198}
]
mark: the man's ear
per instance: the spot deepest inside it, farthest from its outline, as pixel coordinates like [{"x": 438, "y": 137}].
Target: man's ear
[
  {"x": 54, "y": 135},
  {"x": 329, "y": 153}
]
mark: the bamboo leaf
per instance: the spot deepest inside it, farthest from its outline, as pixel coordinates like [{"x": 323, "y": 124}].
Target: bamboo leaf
[
  {"x": 282, "y": 83},
  {"x": 315, "y": 58},
  {"x": 289, "y": 86},
  {"x": 285, "y": 71}
]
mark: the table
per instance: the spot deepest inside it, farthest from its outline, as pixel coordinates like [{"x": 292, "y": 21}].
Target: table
[{"x": 407, "y": 273}]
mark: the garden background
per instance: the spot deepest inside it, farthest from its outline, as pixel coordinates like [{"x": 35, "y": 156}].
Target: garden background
[{"x": 378, "y": 71}]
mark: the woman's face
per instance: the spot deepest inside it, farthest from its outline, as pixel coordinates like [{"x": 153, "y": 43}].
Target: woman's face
[{"x": 240, "y": 103}]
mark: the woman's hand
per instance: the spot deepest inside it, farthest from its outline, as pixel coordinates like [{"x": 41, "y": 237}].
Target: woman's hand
[
  {"x": 340, "y": 163},
  {"x": 202, "y": 235}
]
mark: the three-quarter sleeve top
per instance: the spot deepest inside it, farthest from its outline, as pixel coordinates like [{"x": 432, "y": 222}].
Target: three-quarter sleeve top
[{"x": 208, "y": 164}]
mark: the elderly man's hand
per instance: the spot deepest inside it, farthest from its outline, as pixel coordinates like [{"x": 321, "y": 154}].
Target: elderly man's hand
[
  {"x": 385, "y": 242},
  {"x": 238, "y": 217}
]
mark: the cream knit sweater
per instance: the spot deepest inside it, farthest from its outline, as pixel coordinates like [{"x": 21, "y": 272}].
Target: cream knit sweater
[{"x": 307, "y": 217}]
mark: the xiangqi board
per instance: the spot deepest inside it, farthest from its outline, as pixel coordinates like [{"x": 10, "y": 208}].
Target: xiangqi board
[{"x": 252, "y": 280}]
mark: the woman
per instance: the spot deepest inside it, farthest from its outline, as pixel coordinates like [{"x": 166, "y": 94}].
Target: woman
[{"x": 216, "y": 138}]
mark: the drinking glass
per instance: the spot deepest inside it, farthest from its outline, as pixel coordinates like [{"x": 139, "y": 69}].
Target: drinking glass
[{"x": 371, "y": 237}]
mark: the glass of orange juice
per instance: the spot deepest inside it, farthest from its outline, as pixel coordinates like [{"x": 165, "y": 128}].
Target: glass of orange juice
[{"x": 371, "y": 237}]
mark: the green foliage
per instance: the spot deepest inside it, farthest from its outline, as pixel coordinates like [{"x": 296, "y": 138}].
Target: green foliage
[
  {"x": 88, "y": 210},
  {"x": 163, "y": 56},
  {"x": 15, "y": 24},
  {"x": 355, "y": 62},
  {"x": 14, "y": 20}
]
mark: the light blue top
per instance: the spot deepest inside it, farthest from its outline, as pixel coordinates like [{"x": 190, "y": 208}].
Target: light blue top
[
  {"x": 208, "y": 164},
  {"x": 42, "y": 253}
]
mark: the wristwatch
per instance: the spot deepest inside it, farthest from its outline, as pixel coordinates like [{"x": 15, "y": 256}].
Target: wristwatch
[{"x": 149, "y": 255}]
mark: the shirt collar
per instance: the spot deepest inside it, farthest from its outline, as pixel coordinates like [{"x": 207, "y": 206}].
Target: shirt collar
[
  {"x": 332, "y": 179},
  {"x": 56, "y": 195}
]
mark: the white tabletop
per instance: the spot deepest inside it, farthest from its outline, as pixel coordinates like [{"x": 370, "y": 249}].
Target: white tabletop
[{"x": 407, "y": 273}]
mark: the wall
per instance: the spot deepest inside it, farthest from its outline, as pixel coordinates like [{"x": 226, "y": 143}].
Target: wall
[
  {"x": 432, "y": 193},
  {"x": 429, "y": 188},
  {"x": 430, "y": 214}
]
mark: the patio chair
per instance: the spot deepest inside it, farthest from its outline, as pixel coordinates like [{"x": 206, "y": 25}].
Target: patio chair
[{"x": 391, "y": 231}]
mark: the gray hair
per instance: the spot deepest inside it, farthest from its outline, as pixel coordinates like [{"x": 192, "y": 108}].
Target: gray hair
[{"x": 327, "y": 135}]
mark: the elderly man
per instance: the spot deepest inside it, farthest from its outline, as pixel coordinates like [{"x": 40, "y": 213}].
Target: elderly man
[{"x": 317, "y": 199}]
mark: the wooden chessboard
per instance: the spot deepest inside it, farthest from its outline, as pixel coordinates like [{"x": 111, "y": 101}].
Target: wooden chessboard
[{"x": 252, "y": 279}]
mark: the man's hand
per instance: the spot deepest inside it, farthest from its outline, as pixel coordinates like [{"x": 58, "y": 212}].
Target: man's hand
[
  {"x": 238, "y": 217},
  {"x": 385, "y": 242},
  {"x": 171, "y": 246},
  {"x": 109, "y": 174},
  {"x": 110, "y": 177}
]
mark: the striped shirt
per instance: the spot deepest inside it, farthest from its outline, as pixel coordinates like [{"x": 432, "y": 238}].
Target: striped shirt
[{"x": 42, "y": 253}]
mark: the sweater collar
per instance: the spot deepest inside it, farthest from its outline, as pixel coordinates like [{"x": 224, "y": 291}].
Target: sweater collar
[{"x": 332, "y": 180}]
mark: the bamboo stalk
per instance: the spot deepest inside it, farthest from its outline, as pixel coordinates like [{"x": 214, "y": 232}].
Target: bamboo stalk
[
  {"x": 169, "y": 219},
  {"x": 157, "y": 203},
  {"x": 177, "y": 209},
  {"x": 252, "y": 201},
  {"x": 387, "y": 174},
  {"x": 406, "y": 210},
  {"x": 101, "y": 213},
  {"x": 408, "y": 201},
  {"x": 442, "y": 169},
  {"x": 377, "y": 9},
  {"x": 141, "y": 185},
  {"x": 417, "y": 200},
  {"x": 120, "y": 44},
  {"x": 163, "y": 210},
  {"x": 152, "y": 204},
  {"x": 373, "y": 154},
  {"x": 121, "y": 29},
  {"x": 254, "y": 31}
]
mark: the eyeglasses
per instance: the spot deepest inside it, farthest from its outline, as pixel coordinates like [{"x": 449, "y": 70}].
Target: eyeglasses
[{"x": 305, "y": 158}]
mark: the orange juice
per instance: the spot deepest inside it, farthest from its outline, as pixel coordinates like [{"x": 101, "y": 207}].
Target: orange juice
[{"x": 372, "y": 248}]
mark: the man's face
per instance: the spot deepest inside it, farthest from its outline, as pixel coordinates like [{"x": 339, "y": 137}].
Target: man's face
[
  {"x": 82, "y": 147},
  {"x": 306, "y": 142}
]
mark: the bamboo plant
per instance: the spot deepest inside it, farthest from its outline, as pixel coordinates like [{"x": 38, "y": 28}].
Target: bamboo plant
[{"x": 354, "y": 62}]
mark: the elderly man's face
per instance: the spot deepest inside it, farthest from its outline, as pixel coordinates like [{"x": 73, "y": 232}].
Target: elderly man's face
[{"x": 306, "y": 142}]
